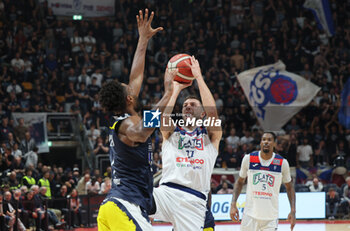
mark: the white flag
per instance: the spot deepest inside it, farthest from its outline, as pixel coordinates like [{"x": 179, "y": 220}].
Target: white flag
[
  {"x": 276, "y": 94},
  {"x": 322, "y": 13}
]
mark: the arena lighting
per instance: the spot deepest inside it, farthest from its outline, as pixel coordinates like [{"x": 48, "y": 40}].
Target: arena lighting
[{"x": 77, "y": 17}]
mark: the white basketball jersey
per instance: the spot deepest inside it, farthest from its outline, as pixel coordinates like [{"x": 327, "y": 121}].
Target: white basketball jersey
[
  {"x": 263, "y": 184},
  {"x": 188, "y": 159}
]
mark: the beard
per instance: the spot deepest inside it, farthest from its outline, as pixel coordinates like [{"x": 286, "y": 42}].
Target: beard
[{"x": 266, "y": 150}]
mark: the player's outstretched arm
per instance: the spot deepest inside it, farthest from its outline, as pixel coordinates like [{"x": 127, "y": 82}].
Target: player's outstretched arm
[
  {"x": 138, "y": 64},
  {"x": 234, "y": 214},
  {"x": 291, "y": 198},
  {"x": 178, "y": 87},
  {"x": 134, "y": 126},
  {"x": 207, "y": 101}
]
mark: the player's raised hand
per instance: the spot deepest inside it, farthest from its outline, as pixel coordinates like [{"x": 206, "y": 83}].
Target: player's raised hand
[
  {"x": 144, "y": 25},
  {"x": 234, "y": 214},
  {"x": 195, "y": 68}
]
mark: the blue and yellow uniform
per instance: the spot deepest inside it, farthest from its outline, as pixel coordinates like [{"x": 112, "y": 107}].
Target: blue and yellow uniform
[{"x": 128, "y": 203}]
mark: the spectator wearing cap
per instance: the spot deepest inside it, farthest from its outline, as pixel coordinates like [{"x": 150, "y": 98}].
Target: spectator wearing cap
[{"x": 75, "y": 169}]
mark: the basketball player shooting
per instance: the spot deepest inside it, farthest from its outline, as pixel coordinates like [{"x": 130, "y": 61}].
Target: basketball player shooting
[
  {"x": 265, "y": 172},
  {"x": 189, "y": 154},
  {"x": 128, "y": 203}
]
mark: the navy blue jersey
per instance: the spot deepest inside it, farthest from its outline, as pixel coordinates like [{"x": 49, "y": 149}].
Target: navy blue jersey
[{"x": 132, "y": 178}]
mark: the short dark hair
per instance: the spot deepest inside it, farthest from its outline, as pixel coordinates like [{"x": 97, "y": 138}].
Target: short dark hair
[
  {"x": 113, "y": 97},
  {"x": 193, "y": 97},
  {"x": 272, "y": 133}
]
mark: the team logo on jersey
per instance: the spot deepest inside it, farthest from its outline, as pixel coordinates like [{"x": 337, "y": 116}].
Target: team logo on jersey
[
  {"x": 151, "y": 118},
  {"x": 191, "y": 143},
  {"x": 276, "y": 162},
  {"x": 264, "y": 178}
]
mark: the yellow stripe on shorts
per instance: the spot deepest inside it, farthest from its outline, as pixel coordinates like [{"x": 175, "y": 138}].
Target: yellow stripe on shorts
[
  {"x": 208, "y": 229},
  {"x": 112, "y": 218}
]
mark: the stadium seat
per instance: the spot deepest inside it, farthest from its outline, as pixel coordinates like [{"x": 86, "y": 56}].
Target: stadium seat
[{"x": 28, "y": 86}]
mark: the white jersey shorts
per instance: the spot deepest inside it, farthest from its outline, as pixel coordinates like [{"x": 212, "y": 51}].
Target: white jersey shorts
[
  {"x": 183, "y": 210},
  {"x": 251, "y": 224}
]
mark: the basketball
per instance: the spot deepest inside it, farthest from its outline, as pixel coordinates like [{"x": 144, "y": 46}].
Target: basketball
[{"x": 180, "y": 61}]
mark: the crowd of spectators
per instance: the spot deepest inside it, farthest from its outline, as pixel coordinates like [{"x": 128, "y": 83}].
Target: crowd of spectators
[{"x": 53, "y": 64}]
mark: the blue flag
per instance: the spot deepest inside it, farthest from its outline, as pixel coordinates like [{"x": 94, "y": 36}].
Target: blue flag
[
  {"x": 344, "y": 112},
  {"x": 322, "y": 13}
]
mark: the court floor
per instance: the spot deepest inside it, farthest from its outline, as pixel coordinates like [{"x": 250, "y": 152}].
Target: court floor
[
  {"x": 315, "y": 225},
  {"x": 300, "y": 226}
]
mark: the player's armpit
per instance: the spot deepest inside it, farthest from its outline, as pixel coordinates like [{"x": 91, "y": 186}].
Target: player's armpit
[
  {"x": 133, "y": 129},
  {"x": 215, "y": 137}
]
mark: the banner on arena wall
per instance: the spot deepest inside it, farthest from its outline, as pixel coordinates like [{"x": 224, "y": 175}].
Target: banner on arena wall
[
  {"x": 276, "y": 94},
  {"x": 310, "y": 205},
  {"x": 344, "y": 111},
  {"x": 87, "y": 8},
  {"x": 322, "y": 13},
  {"x": 36, "y": 124}
]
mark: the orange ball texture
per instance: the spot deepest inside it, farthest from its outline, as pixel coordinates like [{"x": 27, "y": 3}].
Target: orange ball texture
[{"x": 180, "y": 61}]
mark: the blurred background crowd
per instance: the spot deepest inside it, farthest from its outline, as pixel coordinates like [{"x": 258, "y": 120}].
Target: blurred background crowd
[{"x": 51, "y": 64}]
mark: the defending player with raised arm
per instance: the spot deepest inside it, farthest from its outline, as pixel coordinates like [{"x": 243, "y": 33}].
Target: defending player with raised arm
[
  {"x": 265, "y": 172},
  {"x": 188, "y": 153},
  {"x": 130, "y": 199}
]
